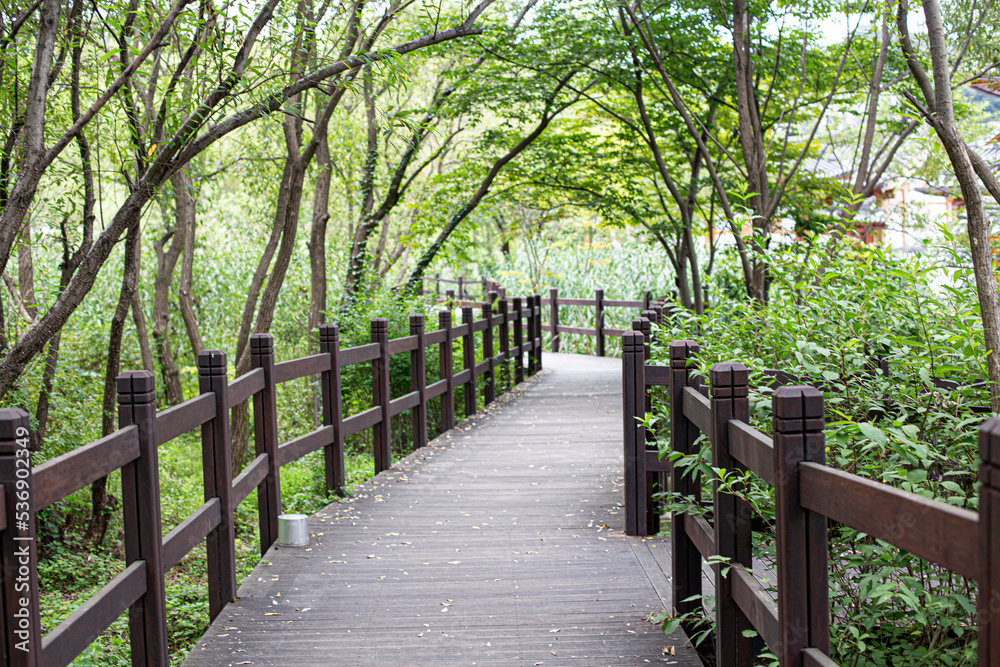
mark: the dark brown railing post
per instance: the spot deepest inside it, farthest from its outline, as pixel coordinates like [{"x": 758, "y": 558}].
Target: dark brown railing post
[
  {"x": 651, "y": 317},
  {"x": 446, "y": 367},
  {"x": 532, "y": 334},
  {"x": 733, "y": 537},
  {"x": 633, "y": 390},
  {"x": 449, "y": 298},
  {"x": 333, "y": 409},
  {"x": 803, "y": 586},
  {"x": 265, "y": 429},
  {"x": 469, "y": 361},
  {"x": 141, "y": 519},
  {"x": 381, "y": 432},
  {"x": 437, "y": 285},
  {"x": 489, "y": 386},
  {"x": 683, "y": 434},
  {"x": 218, "y": 477},
  {"x": 461, "y": 288},
  {"x": 22, "y": 627},
  {"x": 651, "y": 482},
  {"x": 518, "y": 341},
  {"x": 504, "y": 341},
  {"x": 554, "y": 317},
  {"x": 988, "y": 605},
  {"x": 418, "y": 382},
  {"x": 647, "y": 298},
  {"x": 599, "y": 320},
  {"x": 537, "y": 349}
]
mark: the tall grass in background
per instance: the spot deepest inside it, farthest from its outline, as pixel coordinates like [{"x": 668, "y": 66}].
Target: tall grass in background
[{"x": 624, "y": 269}]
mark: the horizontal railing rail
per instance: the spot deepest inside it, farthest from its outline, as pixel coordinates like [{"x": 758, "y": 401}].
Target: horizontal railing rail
[
  {"x": 463, "y": 290},
  {"x": 515, "y": 328},
  {"x": 652, "y": 309},
  {"x": 808, "y": 494}
]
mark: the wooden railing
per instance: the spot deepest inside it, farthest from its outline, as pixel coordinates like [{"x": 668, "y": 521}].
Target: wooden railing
[
  {"x": 133, "y": 449},
  {"x": 651, "y": 309},
  {"x": 807, "y": 495},
  {"x": 462, "y": 291}
]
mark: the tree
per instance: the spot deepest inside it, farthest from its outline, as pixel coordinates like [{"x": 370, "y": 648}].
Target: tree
[
  {"x": 773, "y": 94},
  {"x": 220, "y": 111},
  {"x": 972, "y": 172}
]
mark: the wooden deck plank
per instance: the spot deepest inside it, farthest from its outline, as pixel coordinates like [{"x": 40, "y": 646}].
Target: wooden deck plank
[{"x": 500, "y": 543}]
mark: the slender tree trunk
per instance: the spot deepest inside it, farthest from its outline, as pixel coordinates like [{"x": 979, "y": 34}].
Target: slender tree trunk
[
  {"x": 976, "y": 219},
  {"x": 26, "y": 272},
  {"x": 45, "y": 395},
  {"x": 142, "y": 333},
  {"x": 184, "y": 292},
  {"x": 166, "y": 261},
  {"x": 101, "y": 503},
  {"x": 317, "y": 256},
  {"x": 18, "y": 202},
  {"x": 288, "y": 219},
  {"x": 317, "y": 237},
  {"x": 357, "y": 264}
]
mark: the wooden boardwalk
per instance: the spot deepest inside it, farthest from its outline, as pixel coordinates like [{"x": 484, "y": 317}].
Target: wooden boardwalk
[{"x": 499, "y": 544}]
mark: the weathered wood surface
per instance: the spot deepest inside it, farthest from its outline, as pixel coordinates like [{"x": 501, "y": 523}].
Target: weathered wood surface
[{"x": 487, "y": 547}]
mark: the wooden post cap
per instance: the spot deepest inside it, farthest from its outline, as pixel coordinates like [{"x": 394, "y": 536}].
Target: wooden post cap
[
  {"x": 729, "y": 380},
  {"x": 798, "y": 408},
  {"x": 136, "y": 388},
  {"x": 329, "y": 332},
  {"x": 633, "y": 341},
  {"x": 213, "y": 362},
  {"x": 13, "y": 427},
  {"x": 260, "y": 341}
]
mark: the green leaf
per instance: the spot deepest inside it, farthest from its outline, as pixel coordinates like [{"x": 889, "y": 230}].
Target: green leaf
[{"x": 873, "y": 433}]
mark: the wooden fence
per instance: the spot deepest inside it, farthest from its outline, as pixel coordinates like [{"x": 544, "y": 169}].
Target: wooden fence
[
  {"x": 651, "y": 309},
  {"x": 143, "y": 429},
  {"x": 808, "y": 495},
  {"x": 462, "y": 291}
]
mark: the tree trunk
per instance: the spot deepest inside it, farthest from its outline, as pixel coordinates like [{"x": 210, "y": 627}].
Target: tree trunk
[
  {"x": 357, "y": 264},
  {"x": 45, "y": 395},
  {"x": 142, "y": 333},
  {"x": 977, "y": 222},
  {"x": 101, "y": 503},
  {"x": 317, "y": 257},
  {"x": 317, "y": 238},
  {"x": 166, "y": 261},
  {"x": 287, "y": 218},
  {"x": 184, "y": 292},
  {"x": 26, "y": 272}
]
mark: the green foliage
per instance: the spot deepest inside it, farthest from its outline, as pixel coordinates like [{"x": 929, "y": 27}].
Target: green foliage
[{"x": 831, "y": 309}]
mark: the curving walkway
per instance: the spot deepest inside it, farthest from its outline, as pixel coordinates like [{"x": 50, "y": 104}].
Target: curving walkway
[{"x": 499, "y": 544}]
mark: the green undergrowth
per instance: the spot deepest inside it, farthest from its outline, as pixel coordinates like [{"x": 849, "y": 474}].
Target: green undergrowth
[{"x": 827, "y": 318}]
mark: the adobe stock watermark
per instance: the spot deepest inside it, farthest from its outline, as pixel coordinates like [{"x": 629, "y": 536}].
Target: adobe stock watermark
[{"x": 22, "y": 540}]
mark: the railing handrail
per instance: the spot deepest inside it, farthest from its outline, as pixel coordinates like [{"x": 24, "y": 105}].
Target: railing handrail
[
  {"x": 132, "y": 449},
  {"x": 807, "y": 494}
]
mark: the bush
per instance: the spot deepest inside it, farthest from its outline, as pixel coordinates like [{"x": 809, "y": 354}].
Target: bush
[{"x": 828, "y": 317}]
